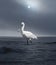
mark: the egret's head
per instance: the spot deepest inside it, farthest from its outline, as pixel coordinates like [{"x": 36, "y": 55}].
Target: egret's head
[{"x": 22, "y": 23}]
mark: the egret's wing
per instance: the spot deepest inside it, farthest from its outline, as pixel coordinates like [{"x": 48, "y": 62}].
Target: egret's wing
[{"x": 29, "y": 34}]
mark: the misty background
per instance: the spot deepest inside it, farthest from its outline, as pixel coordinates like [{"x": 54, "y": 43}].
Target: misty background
[{"x": 41, "y": 20}]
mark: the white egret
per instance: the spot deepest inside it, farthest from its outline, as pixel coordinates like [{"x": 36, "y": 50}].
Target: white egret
[{"x": 27, "y": 34}]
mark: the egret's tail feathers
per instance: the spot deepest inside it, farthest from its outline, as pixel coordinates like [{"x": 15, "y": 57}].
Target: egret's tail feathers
[{"x": 35, "y": 37}]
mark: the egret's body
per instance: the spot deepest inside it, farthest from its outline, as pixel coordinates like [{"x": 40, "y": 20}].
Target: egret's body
[{"x": 27, "y": 34}]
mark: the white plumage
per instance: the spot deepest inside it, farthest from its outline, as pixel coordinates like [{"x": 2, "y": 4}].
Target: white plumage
[{"x": 27, "y": 34}]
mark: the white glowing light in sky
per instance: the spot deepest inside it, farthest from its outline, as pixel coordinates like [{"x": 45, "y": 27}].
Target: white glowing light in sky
[
  {"x": 29, "y": 6},
  {"x": 31, "y": 3},
  {"x": 36, "y": 5}
]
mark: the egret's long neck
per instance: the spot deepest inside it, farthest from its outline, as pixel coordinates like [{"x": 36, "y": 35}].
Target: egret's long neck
[{"x": 22, "y": 29}]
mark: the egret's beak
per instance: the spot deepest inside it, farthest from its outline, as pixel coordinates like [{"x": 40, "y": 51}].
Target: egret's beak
[{"x": 21, "y": 25}]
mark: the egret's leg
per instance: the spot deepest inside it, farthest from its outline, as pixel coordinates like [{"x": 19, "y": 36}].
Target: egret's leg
[
  {"x": 30, "y": 40},
  {"x": 27, "y": 42}
]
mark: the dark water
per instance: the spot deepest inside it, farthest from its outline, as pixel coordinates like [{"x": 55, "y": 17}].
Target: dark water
[{"x": 17, "y": 52}]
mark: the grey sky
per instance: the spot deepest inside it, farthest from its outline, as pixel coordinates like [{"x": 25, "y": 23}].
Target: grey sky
[{"x": 40, "y": 21}]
